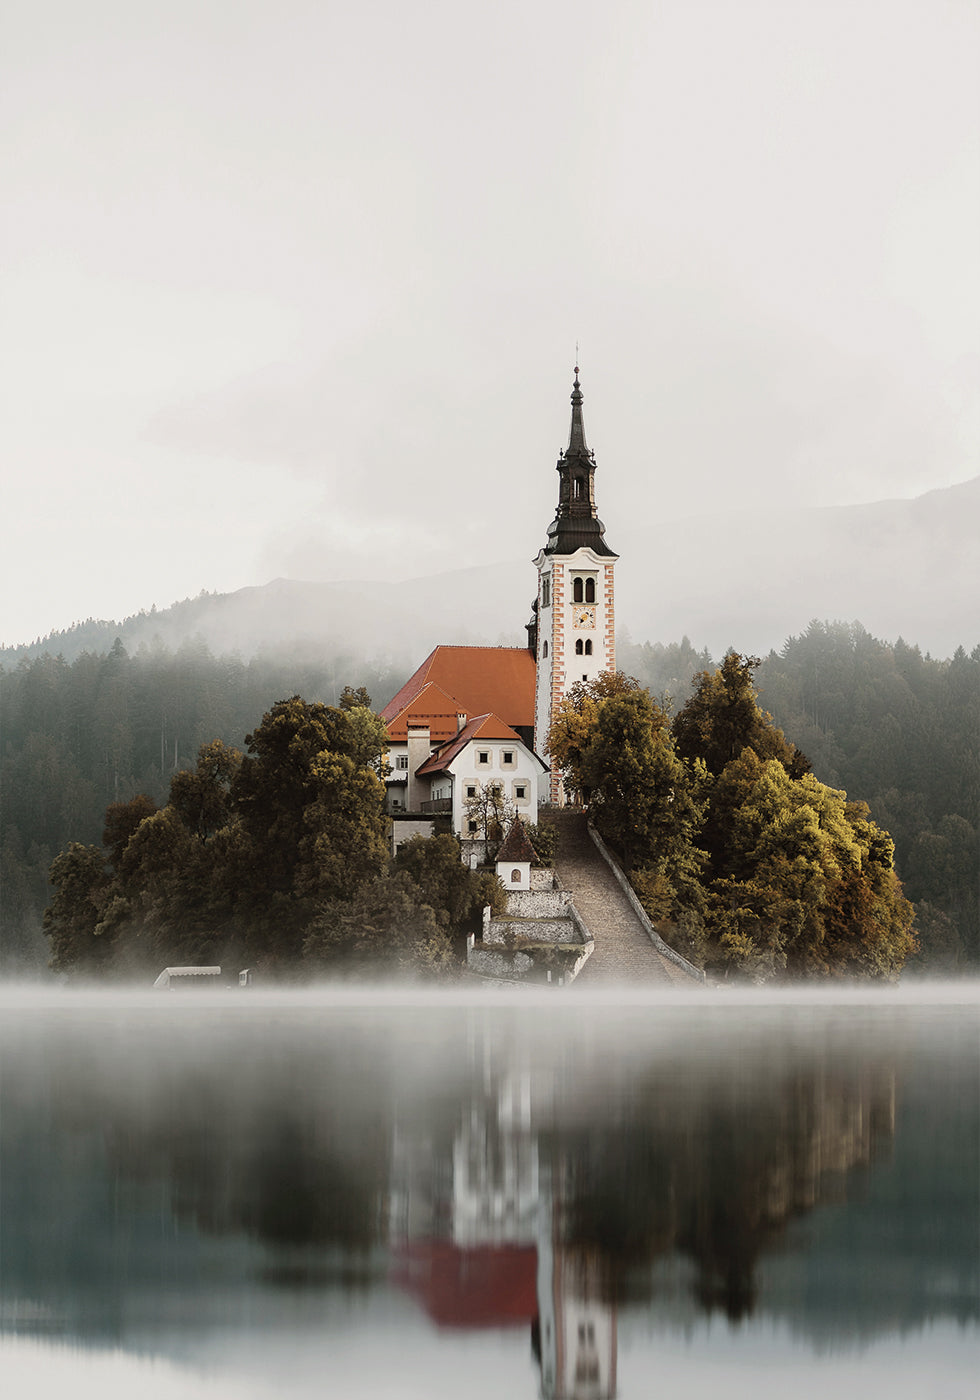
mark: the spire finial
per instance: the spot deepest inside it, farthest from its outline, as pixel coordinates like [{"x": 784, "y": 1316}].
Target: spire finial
[{"x": 576, "y": 438}]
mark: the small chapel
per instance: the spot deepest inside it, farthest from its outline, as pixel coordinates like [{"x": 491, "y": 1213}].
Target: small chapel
[{"x": 470, "y": 717}]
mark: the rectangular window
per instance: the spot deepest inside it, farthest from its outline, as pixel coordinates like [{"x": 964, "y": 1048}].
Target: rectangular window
[
  {"x": 471, "y": 791},
  {"x": 520, "y": 792},
  {"x": 471, "y": 825},
  {"x": 508, "y": 756},
  {"x": 401, "y": 761},
  {"x": 483, "y": 756}
]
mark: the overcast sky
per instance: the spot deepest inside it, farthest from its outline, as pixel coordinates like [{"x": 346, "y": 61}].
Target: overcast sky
[{"x": 294, "y": 288}]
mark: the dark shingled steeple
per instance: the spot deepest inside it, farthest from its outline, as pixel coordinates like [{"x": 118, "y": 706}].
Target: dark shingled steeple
[
  {"x": 576, "y": 522},
  {"x": 517, "y": 846}
]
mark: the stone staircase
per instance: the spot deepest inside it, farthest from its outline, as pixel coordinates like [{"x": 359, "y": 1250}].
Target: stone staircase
[{"x": 624, "y": 953}]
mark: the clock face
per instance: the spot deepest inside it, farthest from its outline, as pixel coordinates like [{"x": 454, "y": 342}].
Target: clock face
[{"x": 584, "y": 617}]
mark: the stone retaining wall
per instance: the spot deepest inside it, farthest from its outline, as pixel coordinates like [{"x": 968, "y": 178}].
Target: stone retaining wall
[
  {"x": 520, "y": 965},
  {"x": 544, "y": 931},
  {"x": 538, "y": 904}
]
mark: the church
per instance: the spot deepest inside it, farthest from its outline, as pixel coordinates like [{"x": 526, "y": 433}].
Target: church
[{"x": 475, "y": 719}]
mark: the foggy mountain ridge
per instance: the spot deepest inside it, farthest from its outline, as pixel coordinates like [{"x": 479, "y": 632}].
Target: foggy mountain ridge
[{"x": 908, "y": 568}]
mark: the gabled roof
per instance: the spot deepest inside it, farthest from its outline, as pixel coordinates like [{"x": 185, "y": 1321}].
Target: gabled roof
[
  {"x": 517, "y": 847},
  {"x": 432, "y": 706},
  {"x": 477, "y": 680},
  {"x": 482, "y": 727}
]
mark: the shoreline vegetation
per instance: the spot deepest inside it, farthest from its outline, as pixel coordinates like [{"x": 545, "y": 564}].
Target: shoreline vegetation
[{"x": 173, "y": 834}]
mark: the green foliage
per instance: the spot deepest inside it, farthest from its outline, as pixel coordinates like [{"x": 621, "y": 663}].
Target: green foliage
[
  {"x": 744, "y": 860},
  {"x": 310, "y": 805},
  {"x": 799, "y": 881},
  {"x": 573, "y": 724},
  {"x": 386, "y": 928},
  {"x": 352, "y": 698},
  {"x": 121, "y": 821},
  {"x": 723, "y": 717},
  {"x": 202, "y": 799},
  {"x": 241, "y": 856},
  {"x": 107, "y": 727},
  {"x": 544, "y": 839},
  {"x": 434, "y": 863},
  {"x": 489, "y": 891},
  {"x": 900, "y": 729},
  {"x": 81, "y": 885}
]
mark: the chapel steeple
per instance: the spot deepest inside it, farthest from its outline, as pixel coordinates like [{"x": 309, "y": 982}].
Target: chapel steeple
[
  {"x": 572, "y": 632},
  {"x": 576, "y": 523}
]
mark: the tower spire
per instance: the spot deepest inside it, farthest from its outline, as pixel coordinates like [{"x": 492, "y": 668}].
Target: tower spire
[
  {"x": 576, "y": 436},
  {"x": 576, "y": 521}
]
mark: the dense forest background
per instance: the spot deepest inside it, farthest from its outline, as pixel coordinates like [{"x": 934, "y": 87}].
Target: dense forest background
[{"x": 894, "y": 728}]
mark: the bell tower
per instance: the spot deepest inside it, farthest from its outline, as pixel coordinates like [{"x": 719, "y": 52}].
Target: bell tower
[{"x": 575, "y": 635}]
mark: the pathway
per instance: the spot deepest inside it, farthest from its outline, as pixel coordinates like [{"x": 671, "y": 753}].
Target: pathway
[{"x": 624, "y": 952}]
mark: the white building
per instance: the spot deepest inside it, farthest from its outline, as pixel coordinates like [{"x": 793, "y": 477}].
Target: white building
[{"x": 463, "y": 723}]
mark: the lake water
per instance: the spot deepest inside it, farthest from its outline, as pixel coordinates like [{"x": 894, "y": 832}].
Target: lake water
[{"x": 372, "y": 1194}]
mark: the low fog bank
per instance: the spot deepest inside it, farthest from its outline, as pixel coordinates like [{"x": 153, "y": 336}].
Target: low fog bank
[
  {"x": 906, "y": 569},
  {"x": 47, "y": 992}
]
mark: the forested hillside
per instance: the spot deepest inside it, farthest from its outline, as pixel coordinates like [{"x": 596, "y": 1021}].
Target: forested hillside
[{"x": 892, "y": 727}]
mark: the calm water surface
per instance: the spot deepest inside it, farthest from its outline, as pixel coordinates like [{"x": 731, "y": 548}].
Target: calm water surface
[{"x": 378, "y": 1194}]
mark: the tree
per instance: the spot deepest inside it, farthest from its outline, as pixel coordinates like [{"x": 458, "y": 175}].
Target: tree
[
  {"x": 353, "y": 699},
  {"x": 492, "y": 811},
  {"x": 386, "y": 928},
  {"x": 202, "y": 799},
  {"x": 122, "y": 819},
  {"x": 310, "y": 802},
  {"x": 573, "y": 724},
  {"x": 434, "y": 864},
  {"x": 723, "y": 717},
  {"x": 802, "y": 882},
  {"x": 71, "y": 921}
]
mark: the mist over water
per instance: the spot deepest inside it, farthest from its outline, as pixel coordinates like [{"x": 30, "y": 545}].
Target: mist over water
[{"x": 414, "y": 1192}]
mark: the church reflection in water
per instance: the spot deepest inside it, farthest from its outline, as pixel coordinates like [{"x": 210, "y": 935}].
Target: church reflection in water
[
  {"x": 558, "y": 1175},
  {"x": 553, "y": 1198},
  {"x": 479, "y": 1240}
]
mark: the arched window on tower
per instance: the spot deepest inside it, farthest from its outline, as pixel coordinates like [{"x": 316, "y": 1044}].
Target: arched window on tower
[
  {"x": 590, "y": 590},
  {"x": 578, "y": 647},
  {"x": 576, "y": 590},
  {"x": 544, "y": 651},
  {"x": 576, "y": 488},
  {"x": 588, "y": 647}
]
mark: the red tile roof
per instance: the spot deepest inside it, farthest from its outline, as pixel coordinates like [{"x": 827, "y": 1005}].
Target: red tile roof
[
  {"x": 483, "y": 1286},
  {"x": 477, "y": 680},
  {"x": 483, "y": 726},
  {"x": 431, "y": 706}
]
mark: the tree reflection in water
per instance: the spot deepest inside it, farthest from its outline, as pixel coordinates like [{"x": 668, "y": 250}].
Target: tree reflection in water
[{"x": 503, "y": 1170}]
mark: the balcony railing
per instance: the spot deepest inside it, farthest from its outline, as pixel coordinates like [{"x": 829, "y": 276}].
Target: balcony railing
[{"x": 437, "y": 804}]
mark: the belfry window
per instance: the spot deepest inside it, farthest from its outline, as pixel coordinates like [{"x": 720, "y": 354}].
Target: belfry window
[
  {"x": 579, "y": 648},
  {"x": 590, "y": 590},
  {"x": 588, "y": 647},
  {"x": 576, "y": 488},
  {"x": 546, "y": 591},
  {"x": 577, "y": 590}
]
